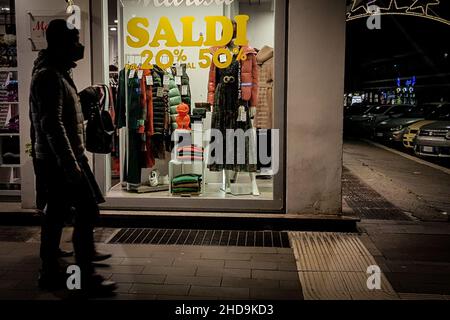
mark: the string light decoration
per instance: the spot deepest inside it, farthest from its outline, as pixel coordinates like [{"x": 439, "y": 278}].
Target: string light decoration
[{"x": 359, "y": 9}]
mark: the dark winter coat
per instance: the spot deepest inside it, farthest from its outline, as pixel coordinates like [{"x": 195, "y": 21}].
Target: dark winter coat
[{"x": 56, "y": 113}]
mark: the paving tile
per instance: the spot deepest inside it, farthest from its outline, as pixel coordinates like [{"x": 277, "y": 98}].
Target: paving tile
[
  {"x": 9, "y": 283},
  {"x": 290, "y": 284},
  {"x": 252, "y": 264},
  {"x": 421, "y": 283},
  {"x": 249, "y": 283},
  {"x": 285, "y": 250},
  {"x": 221, "y": 292},
  {"x": 166, "y": 289},
  {"x": 104, "y": 274},
  {"x": 273, "y": 257},
  {"x": 27, "y": 284},
  {"x": 115, "y": 261},
  {"x": 18, "y": 275},
  {"x": 276, "y": 294},
  {"x": 17, "y": 295},
  {"x": 252, "y": 250},
  {"x": 126, "y": 251},
  {"x": 138, "y": 278},
  {"x": 287, "y": 266},
  {"x": 422, "y": 297},
  {"x": 131, "y": 297},
  {"x": 217, "y": 272},
  {"x": 275, "y": 275},
  {"x": 126, "y": 269},
  {"x": 123, "y": 287},
  {"x": 179, "y": 262},
  {"x": 180, "y": 271},
  {"x": 227, "y": 256},
  {"x": 176, "y": 254},
  {"x": 159, "y": 262},
  {"x": 199, "y": 281}
]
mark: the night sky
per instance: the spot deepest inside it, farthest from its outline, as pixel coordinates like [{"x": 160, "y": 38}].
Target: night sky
[{"x": 404, "y": 47}]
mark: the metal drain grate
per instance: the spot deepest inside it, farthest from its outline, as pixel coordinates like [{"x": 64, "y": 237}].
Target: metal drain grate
[
  {"x": 225, "y": 238},
  {"x": 366, "y": 202}
]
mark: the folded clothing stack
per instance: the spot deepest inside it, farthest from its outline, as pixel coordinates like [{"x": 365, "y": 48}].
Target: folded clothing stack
[
  {"x": 187, "y": 184},
  {"x": 192, "y": 153}
]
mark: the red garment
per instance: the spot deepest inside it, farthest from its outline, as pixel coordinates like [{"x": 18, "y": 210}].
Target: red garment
[
  {"x": 249, "y": 77},
  {"x": 147, "y": 128}
]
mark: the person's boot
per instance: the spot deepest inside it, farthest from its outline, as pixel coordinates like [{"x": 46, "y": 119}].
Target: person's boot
[
  {"x": 100, "y": 256},
  {"x": 96, "y": 286},
  {"x": 65, "y": 254}
]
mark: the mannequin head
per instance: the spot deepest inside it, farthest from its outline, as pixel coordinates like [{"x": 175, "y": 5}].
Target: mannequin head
[{"x": 64, "y": 41}]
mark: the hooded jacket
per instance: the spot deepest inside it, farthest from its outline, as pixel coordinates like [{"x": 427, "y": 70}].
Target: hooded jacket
[
  {"x": 264, "y": 110},
  {"x": 56, "y": 113},
  {"x": 249, "y": 77}
]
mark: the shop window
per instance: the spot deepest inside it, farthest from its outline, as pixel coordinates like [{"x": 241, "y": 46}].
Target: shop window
[{"x": 195, "y": 103}]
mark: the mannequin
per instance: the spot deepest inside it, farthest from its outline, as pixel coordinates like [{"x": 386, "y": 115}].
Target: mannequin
[{"x": 233, "y": 92}]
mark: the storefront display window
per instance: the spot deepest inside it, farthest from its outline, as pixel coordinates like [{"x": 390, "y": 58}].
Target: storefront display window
[{"x": 195, "y": 106}]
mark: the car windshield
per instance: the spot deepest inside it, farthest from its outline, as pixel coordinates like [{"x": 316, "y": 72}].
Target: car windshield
[
  {"x": 417, "y": 112},
  {"x": 442, "y": 113},
  {"x": 357, "y": 110},
  {"x": 400, "y": 109},
  {"x": 379, "y": 109}
]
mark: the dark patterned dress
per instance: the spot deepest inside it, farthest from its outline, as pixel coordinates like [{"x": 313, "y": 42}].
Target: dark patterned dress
[{"x": 225, "y": 116}]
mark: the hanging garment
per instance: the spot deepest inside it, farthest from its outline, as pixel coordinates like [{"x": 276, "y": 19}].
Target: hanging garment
[
  {"x": 231, "y": 112},
  {"x": 264, "y": 110},
  {"x": 135, "y": 111},
  {"x": 249, "y": 78},
  {"x": 185, "y": 86},
  {"x": 174, "y": 100}
]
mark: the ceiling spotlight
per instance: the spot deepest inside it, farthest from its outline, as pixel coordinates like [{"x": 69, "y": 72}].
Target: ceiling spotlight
[
  {"x": 70, "y": 5},
  {"x": 113, "y": 29},
  {"x": 116, "y": 21}
]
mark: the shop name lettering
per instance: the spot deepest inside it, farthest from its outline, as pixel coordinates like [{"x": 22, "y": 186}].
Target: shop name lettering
[
  {"x": 177, "y": 3},
  {"x": 139, "y": 36},
  {"x": 40, "y": 26}
]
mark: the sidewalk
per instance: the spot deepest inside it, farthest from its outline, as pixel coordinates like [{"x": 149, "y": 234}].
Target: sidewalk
[
  {"x": 403, "y": 231},
  {"x": 414, "y": 258}
]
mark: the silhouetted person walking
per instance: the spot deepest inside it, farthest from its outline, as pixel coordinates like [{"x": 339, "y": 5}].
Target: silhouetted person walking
[{"x": 58, "y": 125}]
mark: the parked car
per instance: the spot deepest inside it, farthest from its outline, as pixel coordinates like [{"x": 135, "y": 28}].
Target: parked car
[
  {"x": 433, "y": 139},
  {"x": 380, "y": 114},
  {"x": 410, "y": 135},
  {"x": 393, "y": 129},
  {"x": 355, "y": 114}
]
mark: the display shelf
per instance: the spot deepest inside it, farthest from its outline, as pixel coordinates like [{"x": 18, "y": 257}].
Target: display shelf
[
  {"x": 9, "y": 165},
  {"x": 8, "y": 69},
  {"x": 9, "y": 103},
  {"x": 10, "y": 134},
  {"x": 10, "y": 193}
]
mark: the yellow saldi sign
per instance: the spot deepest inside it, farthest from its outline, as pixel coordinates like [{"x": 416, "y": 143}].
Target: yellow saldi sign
[{"x": 139, "y": 37}]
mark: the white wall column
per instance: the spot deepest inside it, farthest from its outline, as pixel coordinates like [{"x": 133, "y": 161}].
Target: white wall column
[
  {"x": 315, "y": 88},
  {"x": 25, "y": 58}
]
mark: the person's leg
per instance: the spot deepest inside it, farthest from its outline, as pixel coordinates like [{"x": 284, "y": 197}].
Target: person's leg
[{"x": 51, "y": 229}]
